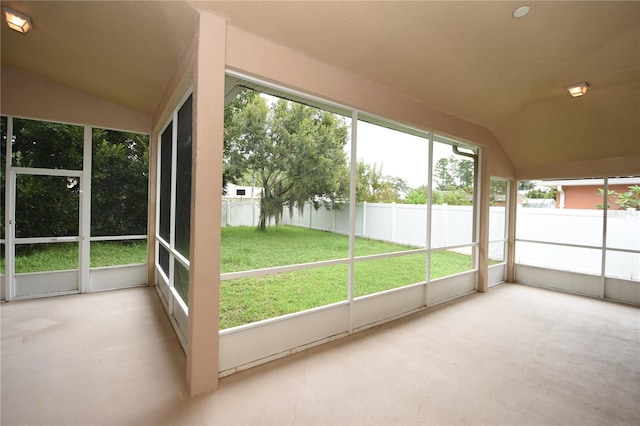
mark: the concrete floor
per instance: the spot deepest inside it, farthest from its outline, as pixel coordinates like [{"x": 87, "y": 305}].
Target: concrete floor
[{"x": 517, "y": 355}]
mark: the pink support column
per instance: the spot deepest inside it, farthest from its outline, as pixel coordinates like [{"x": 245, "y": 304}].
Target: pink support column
[{"x": 204, "y": 278}]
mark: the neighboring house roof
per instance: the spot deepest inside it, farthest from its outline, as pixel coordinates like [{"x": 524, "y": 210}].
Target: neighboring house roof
[{"x": 590, "y": 182}]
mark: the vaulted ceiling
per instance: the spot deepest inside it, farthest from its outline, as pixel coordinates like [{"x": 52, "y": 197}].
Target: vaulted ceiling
[{"x": 470, "y": 59}]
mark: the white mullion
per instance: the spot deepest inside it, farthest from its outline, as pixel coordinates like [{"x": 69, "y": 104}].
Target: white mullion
[
  {"x": 9, "y": 223},
  {"x": 477, "y": 204},
  {"x": 172, "y": 216},
  {"x": 352, "y": 217},
  {"x": 47, "y": 172},
  {"x": 429, "y": 219},
  {"x": 505, "y": 232},
  {"x": 118, "y": 237},
  {"x": 603, "y": 265},
  {"x": 159, "y": 172},
  {"x": 85, "y": 213}
]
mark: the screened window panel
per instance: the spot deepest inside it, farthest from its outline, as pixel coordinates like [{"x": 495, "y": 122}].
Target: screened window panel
[
  {"x": 165, "y": 183},
  {"x": 452, "y": 197},
  {"x": 120, "y": 164},
  {"x": 623, "y": 229},
  {"x": 373, "y": 276},
  {"x": 181, "y": 281},
  {"x": 391, "y": 189},
  {"x": 572, "y": 259},
  {"x": 46, "y": 257},
  {"x": 623, "y": 265},
  {"x": 47, "y": 206},
  {"x": 47, "y": 145},
  {"x": 183, "y": 179},
  {"x": 163, "y": 259}
]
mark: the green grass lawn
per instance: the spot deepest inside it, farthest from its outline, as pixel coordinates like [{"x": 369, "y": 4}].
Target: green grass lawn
[
  {"x": 252, "y": 299},
  {"x": 61, "y": 256}
]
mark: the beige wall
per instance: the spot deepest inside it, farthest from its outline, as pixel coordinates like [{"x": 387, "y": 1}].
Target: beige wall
[
  {"x": 251, "y": 55},
  {"x": 29, "y": 96}
]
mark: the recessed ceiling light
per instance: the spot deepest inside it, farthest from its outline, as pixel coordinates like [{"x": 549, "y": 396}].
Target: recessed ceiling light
[
  {"x": 521, "y": 11},
  {"x": 578, "y": 89},
  {"x": 17, "y": 21}
]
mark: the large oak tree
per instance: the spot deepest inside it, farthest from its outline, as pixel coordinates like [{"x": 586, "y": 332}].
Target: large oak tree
[{"x": 294, "y": 152}]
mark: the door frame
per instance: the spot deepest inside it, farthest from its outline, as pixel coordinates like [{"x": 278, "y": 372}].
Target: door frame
[{"x": 84, "y": 225}]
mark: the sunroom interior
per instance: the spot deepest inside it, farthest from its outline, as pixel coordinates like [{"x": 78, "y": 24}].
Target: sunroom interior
[{"x": 469, "y": 81}]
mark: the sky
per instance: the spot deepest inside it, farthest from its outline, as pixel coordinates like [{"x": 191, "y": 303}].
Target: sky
[{"x": 400, "y": 154}]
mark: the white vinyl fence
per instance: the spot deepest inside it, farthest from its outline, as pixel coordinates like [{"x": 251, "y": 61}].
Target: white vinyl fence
[
  {"x": 452, "y": 225},
  {"x": 397, "y": 223},
  {"x": 581, "y": 228}
]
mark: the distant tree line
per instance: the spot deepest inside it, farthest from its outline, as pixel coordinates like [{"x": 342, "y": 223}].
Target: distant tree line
[{"x": 48, "y": 205}]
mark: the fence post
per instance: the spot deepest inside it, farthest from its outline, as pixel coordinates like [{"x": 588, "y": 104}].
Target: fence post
[
  {"x": 444, "y": 224},
  {"x": 393, "y": 221},
  {"x": 333, "y": 225},
  {"x": 364, "y": 219}
]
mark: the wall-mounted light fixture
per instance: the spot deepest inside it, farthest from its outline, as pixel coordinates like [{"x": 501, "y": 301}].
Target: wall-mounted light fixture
[
  {"x": 16, "y": 20},
  {"x": 578, "y": 89}
]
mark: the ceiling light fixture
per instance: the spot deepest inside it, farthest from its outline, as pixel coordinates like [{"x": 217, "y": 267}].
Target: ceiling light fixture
[
  {"x": 578, "y": 89},
  {"x": 521, "y": 11},
  {"x": 17, "y": 21}
]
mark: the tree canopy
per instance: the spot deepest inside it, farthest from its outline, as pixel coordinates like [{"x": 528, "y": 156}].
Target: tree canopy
[
  {"x": 294, "y": 152},
  {"x": 119, "y": 178},
  {"x": 373, "y": 186},
  {"x": 452, "y": 173},
  {"x": 626, "y": 200},
  {"x": 49, "y": 205}
]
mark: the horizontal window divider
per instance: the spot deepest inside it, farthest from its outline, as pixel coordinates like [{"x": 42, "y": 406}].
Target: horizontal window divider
[
  {"x": 163, "y": 243},
  {"x": 584, "y": 246},
  {"x": 183, "y": 260},
  {"x": 622, "y": 250},
  {"x": 124, "y": 266},
  {"x": 390, "y": 254},
  {"x": 497, "y": 241},
  {"x": 43, "y": 273},
  {"x": 118, "y": 238},
  {"x": 46, "y": 240},
  {"x": 175, "y": 253},
  {"x": 227, "y": 276},
  {"x": 311, "y": 265},
  {"x": 178, "y": 299},
  {"x": 279, "y": 269},
  {"x": 388, "y": 291},
  {"x": 46, "y": 172},
  {"x": 454, "y": 247},
  {"x": 162, "y": 274}
]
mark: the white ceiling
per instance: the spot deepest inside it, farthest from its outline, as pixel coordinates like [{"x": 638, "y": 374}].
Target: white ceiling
[{"x": 469, "y": 59}]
